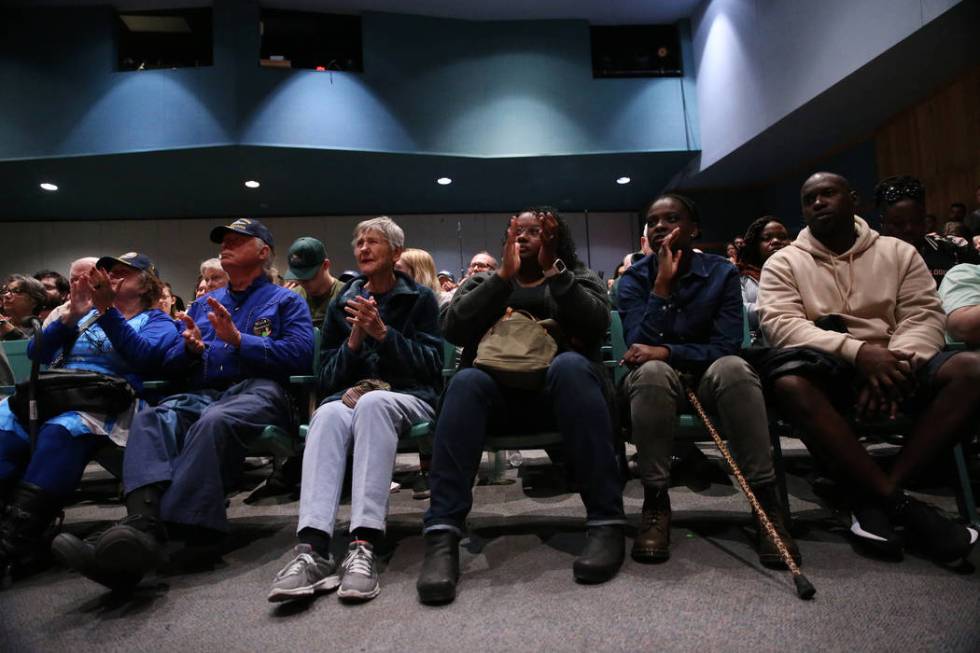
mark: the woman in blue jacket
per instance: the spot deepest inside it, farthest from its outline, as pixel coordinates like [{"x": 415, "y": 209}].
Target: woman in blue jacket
[
  {"x": 382, "y": 371},
  {"x": 111, "y": 327}
]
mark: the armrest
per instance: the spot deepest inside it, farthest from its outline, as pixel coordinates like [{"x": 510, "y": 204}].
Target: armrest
[
  {"x": 303, "y": 379},
  {"x": 155, "y": 385}
]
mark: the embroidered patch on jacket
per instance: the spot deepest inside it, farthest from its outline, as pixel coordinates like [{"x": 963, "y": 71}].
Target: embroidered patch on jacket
[{"x": 262, "y": 327}]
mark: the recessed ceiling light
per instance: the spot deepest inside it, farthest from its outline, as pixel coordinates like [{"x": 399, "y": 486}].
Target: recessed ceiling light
[
  {"x": 48, "y": 186},
  {"x": 251, "y": 183},
  {"x": 623, "y": 180},
  {"x": 444, "y": 181}
]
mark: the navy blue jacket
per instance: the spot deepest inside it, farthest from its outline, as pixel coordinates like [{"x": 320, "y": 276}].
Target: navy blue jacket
[
  {"x": 410, "y": 356},
  {"x": 277, "y": 338},
  {"x": 699, "y": 323}
]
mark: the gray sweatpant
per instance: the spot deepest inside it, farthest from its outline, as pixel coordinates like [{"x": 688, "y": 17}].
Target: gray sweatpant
[
  {"x": 730, "y": 393},
  {"x": 374, "y": 425}
]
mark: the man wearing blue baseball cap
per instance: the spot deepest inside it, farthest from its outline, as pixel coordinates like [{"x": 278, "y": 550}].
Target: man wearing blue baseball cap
[{"x": 240, "y": 345}]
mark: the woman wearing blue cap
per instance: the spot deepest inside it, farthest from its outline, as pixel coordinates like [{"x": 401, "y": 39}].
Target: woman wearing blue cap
[{"x": 111, "y": 327}]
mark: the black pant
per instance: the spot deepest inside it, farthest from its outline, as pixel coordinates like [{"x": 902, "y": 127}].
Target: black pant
[{"x": 572, "y": 399}]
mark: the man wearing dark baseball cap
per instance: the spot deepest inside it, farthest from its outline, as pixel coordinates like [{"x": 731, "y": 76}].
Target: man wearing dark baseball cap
[
  {"x": 240, "y": 345},
  {"x": 134, "y": 260},
  {"x": 244, "y": 227},
  {"x": 310, "y": 268},
  {"x": 446, "y": 280}
]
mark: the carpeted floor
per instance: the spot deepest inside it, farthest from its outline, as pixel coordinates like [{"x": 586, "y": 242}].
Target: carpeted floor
[{"x": 517, "y": 591}]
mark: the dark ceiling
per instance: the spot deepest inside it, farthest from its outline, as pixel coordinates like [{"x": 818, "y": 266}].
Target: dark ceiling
[
  {"x": 606, "y": 12},
  {"x": 208, "y": 182}
]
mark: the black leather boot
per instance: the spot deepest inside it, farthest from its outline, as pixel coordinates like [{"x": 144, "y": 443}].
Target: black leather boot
[
  {"x": 605, "y": 549},
  {"x": 6, "y": 486},
  {"x": 652, "y": 543},
  {"x": 24, "y": 532},
  {"x": 136, "y": 545},
  {"x": 440, "y": 568},
  {"x": 77, "y": 554},
  {"x": 768, "y": 496}
]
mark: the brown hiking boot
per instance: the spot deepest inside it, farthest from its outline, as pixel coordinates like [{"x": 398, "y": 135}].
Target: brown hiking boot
[
  {"x": 652, "y": 543},
  {"x": 768, "y": 496}
]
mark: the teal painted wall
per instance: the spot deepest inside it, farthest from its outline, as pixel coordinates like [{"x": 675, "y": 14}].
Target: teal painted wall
[{"x": 483, "y": 89}]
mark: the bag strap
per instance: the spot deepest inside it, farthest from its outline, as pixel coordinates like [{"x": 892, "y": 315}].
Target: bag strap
[{"x": 67, "y": 348}]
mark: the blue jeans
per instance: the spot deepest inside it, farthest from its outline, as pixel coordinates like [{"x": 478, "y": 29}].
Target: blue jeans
[
  {"x": 572, "y": 400},
  {"x": 195, "y": 444},
  {"x": 58, "y": 461}
]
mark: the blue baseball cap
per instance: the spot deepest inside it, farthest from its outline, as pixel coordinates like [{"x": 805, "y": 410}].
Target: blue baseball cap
[
  {"x": 246, "y": 227},
  {"x": 134, "y": 260}
]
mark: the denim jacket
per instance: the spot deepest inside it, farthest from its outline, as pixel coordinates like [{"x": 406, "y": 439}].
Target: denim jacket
[{"x": 699, "y": 323}]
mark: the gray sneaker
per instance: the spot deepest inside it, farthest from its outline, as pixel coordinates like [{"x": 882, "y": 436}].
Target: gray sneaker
[
  {"x": 304, "y": 576},
  {"x": 360, "y": 573}
]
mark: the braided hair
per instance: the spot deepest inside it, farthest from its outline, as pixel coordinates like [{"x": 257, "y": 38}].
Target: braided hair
[
  {"x": 749, "y": 254},
  {"x": 895, "y": 189},
  {"x": 565, "y": 245},
  {"x": 686, "y": 202}
]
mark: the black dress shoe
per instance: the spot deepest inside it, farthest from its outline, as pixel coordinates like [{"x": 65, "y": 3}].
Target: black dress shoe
[
  {"x": 440, "y": 568},
  {"x": 605, "y": 549}
]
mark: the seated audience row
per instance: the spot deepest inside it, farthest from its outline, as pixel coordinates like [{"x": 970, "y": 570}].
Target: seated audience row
[{"x": 853, "y": 319}]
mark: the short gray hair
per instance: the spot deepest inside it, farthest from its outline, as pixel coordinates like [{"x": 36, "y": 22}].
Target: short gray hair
[
  {"x": 385, "y": 226},
  {"x": 211, "y": 264},
  {"x": 32, "y": 288}
]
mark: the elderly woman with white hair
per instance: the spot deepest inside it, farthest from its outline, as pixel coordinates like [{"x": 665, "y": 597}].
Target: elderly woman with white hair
[
  {"x": 213, "y": 276},
  {"x": 382, "y": 372}
]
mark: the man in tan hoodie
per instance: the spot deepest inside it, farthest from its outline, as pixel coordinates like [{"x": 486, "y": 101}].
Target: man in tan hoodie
[{"x": 862, "y": 314}]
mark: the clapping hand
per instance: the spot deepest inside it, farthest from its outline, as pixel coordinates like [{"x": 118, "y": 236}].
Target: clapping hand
[
  {"x": 549, "y": 240},
  {"x": 102, "y": 290},
  {"x": 224, "y": 328},
  {"x": 510, "y": 262},
  {"x": 79, "y": 300},
  {"x": 193, "y": 343}
]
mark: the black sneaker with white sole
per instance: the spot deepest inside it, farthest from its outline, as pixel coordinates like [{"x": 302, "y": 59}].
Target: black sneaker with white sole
[
  {"x": 934, "y": 533},
  {"x": 304, "y": 576},
  {"x": 873, "y": 529}
]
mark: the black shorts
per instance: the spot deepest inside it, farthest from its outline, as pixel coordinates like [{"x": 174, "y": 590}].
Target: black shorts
[{"x": 838, "y": 379}]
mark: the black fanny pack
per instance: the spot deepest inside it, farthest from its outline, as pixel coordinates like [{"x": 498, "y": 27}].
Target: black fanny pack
[{"x": 60, "y": 391}]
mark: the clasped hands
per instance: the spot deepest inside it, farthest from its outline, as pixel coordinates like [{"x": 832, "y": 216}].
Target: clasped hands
[
  {"x": 888, "y": 379},
  {"x": 365, "y": 320}
]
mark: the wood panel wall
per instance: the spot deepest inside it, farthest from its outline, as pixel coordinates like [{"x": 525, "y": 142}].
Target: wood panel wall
[{"x": 938, "y": 141}]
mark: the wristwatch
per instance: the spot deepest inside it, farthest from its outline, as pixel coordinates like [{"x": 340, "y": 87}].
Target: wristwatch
[{"x": 556, "y": 268}]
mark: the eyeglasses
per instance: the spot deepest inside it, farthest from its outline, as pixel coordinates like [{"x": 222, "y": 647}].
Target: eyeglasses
[
  {"x": 533, "y": 231},
  {"x": 13, "y": 291},
  {"x": 481, "y": 266}
]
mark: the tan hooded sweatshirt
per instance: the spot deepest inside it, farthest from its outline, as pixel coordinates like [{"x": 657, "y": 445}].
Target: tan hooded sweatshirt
[{"x": 880, "y": 287}]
